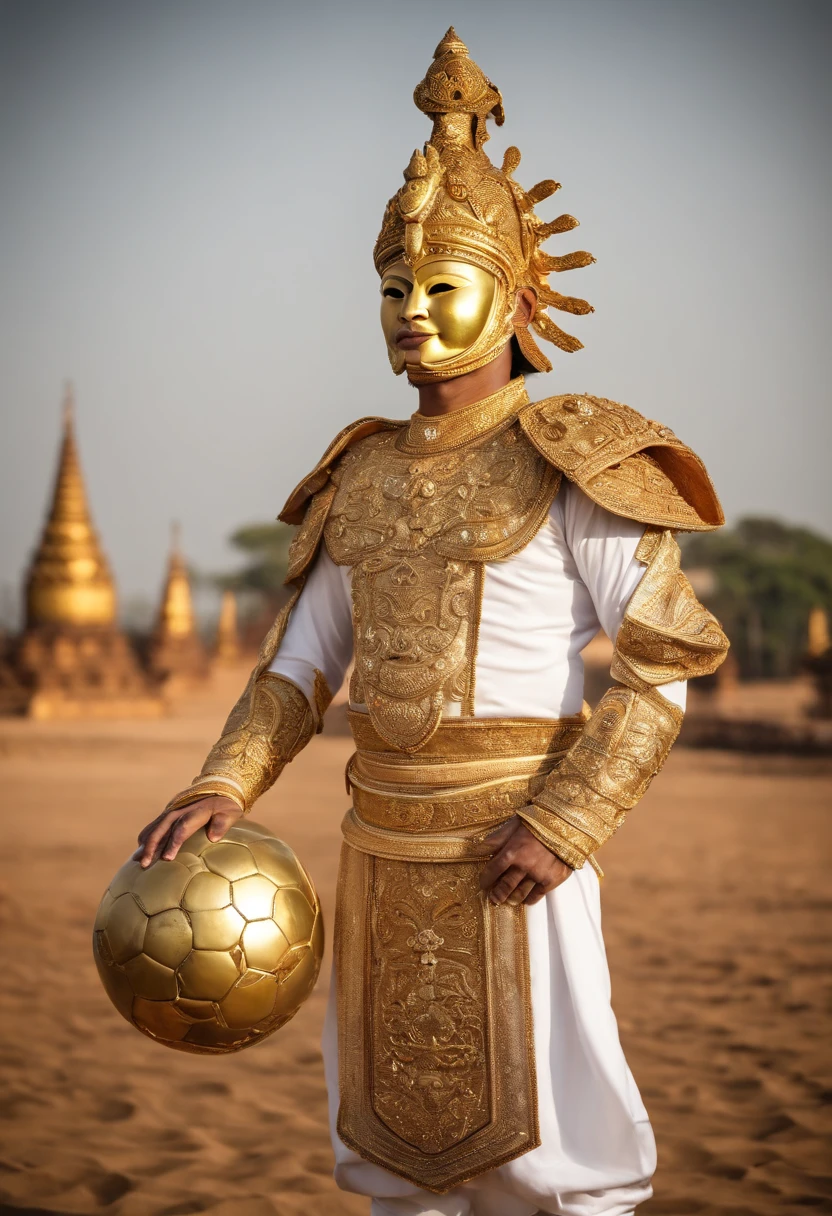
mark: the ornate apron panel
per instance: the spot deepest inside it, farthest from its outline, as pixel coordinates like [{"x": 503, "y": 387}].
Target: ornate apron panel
[
  {"x": 436, "y": 1049},
  {"x": 416, "y": 529},
  {"x": 434, "y": 1018}
]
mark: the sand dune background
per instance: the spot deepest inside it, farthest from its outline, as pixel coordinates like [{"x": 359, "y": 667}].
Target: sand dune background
[{"x": 717, "y": 921}]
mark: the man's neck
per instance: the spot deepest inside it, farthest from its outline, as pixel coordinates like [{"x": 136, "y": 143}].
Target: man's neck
[{"x": 445, "y": 396}]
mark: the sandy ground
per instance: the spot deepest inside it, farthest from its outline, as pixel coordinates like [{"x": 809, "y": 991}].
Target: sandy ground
[{"x": 716, "y": 917}]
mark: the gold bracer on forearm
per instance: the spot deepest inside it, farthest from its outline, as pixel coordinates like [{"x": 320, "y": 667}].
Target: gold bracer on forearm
[
  {"x": 666, "y": 635},
  {"x": 623, "y": 746},
  {"x": 269, "y": 725}
]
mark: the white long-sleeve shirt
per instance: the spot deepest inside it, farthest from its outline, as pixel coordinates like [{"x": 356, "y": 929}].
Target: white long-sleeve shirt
[{"x": 539, "y": 610}]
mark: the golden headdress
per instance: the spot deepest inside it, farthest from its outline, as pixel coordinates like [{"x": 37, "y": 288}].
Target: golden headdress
[{"x": 456, "y": 203}]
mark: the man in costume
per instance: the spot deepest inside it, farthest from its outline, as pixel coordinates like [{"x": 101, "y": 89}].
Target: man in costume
[{"x": 463, "y": 559}]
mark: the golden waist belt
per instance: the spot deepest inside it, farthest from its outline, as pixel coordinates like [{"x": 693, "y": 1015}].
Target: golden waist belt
[
  {"x": 436, "y": 1048},
  {"x": 472, "y": 776}
]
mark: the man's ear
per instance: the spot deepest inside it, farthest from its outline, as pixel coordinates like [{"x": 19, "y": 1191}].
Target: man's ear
[{"x": 526, "y": 306}]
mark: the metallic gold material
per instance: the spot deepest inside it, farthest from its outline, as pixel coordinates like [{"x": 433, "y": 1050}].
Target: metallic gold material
[
  {"x": 176, "y": 611},
  {"x": 623, "y": 745},
  {"x": 435, "y": 1035},
  {"x": 473, "y": 739},
  {"x": 429, "y": 436},
  {"x": 631, "y": 466},
  {"x": 473, "y": 774},
  {"x": 213, "y": 951},
  {"x": 269, "y": 725},
  {"x": 69, "y": 580},
  {"x": 435, "y": 1024},
  {"x": 452, "y": 301},
  {"x": 176, "y": 656},
  {"x": 72, "y": 660},
  {"x": 227, "y": 644},
  {"x": 624, "y": 462},
  {"x": 817, "y": 633},
  {"x": 666, "y": 633},
  {"x": 410, "y": 846},
  {"x": 295, "y": 509},
  {"x": 456, "y": 205},
  {"x": 413, "y": 515},
  {"x": 272, "y": 720}
]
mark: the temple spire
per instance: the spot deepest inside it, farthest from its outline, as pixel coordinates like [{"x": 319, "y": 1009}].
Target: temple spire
[
  {"x": 176, "y": 611},
  {"x": 69, "y": 581},
  {"x": 227, "y": 645},
  {"x": 176, "y": 656}
]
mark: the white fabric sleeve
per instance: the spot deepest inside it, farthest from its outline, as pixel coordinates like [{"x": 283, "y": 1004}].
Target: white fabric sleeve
[
  {"x": 604, "y": 546},
  {"x": 319, "y": 633}
]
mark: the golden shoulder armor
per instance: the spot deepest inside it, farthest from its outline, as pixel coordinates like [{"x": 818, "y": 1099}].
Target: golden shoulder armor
[
  {"x": 666, "y": 633},
  {"x": 293, "y": 511},
  {"x": 629, "y": 465}
]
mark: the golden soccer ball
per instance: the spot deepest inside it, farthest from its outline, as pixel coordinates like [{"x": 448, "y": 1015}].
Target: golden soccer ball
[{"x": 215, "y": 950}]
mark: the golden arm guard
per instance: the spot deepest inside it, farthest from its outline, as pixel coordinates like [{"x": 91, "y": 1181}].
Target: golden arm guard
[
  {"x": 666, "y": 635},
  {"x": 272, "y": 721},
  {"x": 269, "y": 725}
]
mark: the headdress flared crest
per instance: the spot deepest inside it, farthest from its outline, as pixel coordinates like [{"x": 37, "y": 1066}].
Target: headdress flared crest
[{"x": 456, "y": 203}]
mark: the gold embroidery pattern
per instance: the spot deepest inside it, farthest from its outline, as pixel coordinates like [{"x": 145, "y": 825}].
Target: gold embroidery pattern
[
  {"x": 425, "y": 436},
  {"x": 304, "y": 546},
  {"x": 293, "y": 510},
  {"x": 430, "y": 1049},
  {"x": 666, "y": 633},
  {"x": 623, "y": 746},
  {"x": 269, "y": 725},
  {"x": 456, "y": 203},
  {"x": 434, "y": 1011},
  {"x": 483, "y": 803},
  {"x": 472, "y": 739},
  {"x": 624, "y": 462},
  {"x": 436, "y": 1051},
  {"x": 413, "y": 528}
]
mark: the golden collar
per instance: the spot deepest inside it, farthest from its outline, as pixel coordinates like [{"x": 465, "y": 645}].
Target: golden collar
[{"x": 427, "y": 436}]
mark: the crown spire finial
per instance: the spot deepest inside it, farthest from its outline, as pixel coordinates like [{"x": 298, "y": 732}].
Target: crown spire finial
[{"x": 451, "y": 44}]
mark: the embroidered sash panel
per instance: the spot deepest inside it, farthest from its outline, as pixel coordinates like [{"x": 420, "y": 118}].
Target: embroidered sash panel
[{"x": 435, "y": 1026}]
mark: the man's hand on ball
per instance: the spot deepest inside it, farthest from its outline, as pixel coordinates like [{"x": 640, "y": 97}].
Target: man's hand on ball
[
  {"x": 167, "y": 833},
  {"x": 522, "y": 869}
]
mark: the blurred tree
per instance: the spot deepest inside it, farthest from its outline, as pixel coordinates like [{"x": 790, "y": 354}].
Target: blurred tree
[
  {"x": 266, "y": 547},
  {"x": 768, "y": 576}
]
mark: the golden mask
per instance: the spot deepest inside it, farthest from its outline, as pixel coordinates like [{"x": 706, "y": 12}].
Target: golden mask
[
  {"x": 439, "y": 313},
  {"x": 456, "y": 207}
]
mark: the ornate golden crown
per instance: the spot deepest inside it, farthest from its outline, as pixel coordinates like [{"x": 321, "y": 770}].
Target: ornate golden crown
[{"x": 457, "y": 203}]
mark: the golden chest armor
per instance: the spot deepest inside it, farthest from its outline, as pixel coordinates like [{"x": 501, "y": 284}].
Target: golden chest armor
[{"x": 416, "y": 528}]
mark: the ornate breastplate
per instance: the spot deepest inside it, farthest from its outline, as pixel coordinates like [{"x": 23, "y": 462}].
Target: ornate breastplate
[{"x": 417, "y": 527}]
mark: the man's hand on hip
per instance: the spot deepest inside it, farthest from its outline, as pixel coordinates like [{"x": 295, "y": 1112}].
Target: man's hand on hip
[{"x": 522, "y": 869}]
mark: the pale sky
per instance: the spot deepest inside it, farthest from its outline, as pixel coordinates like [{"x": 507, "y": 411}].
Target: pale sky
[{"x": 190, "y": 191}]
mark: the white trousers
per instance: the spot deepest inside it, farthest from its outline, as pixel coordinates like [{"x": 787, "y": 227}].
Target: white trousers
[
  {"x": 435, "y": 1205},
  {"x": 597, "y": 1152}
]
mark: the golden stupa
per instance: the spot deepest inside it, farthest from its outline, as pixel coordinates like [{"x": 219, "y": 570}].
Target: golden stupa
[
  {"x": 818, "y": 640},
  {"x": 818, "y": 662},
  {"x": 176, "y": 656},
  {"x": 72, "y": 660},
  {"x": 227, "y": 647}
]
